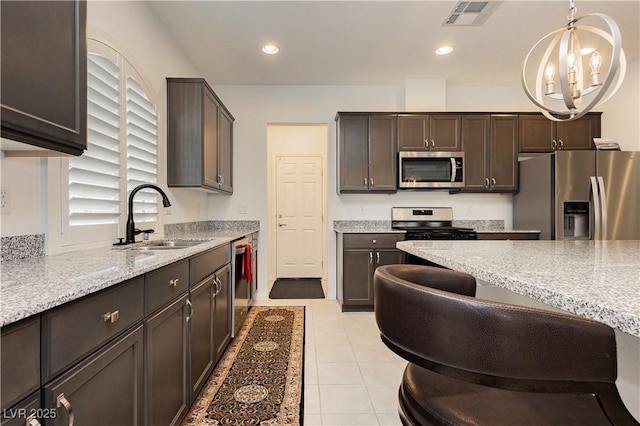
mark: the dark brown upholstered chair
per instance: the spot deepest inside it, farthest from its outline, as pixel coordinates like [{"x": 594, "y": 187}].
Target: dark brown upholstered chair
[{"x": 477, "y": 362}]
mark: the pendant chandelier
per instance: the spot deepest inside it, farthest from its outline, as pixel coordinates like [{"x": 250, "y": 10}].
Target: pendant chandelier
[{"x": 562, "y": 90}]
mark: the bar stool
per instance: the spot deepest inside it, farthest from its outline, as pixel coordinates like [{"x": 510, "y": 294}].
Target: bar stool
[{"x": 478, "y": 362}]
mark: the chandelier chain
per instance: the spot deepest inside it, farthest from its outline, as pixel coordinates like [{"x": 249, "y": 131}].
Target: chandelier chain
[{"x": 571, "y": 15}]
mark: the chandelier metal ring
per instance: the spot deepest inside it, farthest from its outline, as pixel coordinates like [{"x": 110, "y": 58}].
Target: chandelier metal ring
[{"x": 571, "y": 86}]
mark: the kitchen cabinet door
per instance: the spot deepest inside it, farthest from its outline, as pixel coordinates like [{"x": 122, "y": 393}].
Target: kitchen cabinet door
[
  {"x": 223, "y": 306},
  {"x": 383, "y": 152},
  {"x": 26, "y": 412},
  {"x": 413, "y": 132},
  {"x": 199, "y": 137},
  {"x": 165, "y": 365},
  {"x": 429, "y": 132},
  {"x": 476, "y": 145},
  {"x": 20, "y": 360},
  {"x": 201, "y": 331},
  {"x": 106, "y": 388},
  {"x": 358, "y": 267},
  {"x": 44, "y": 74},
  {"x": 504, "y": 153},
  {"x": 539, "y": 134},
  {"x": 444, "y": 132},
  {"x": 578, "y": 134},
  {"x": 353, "y": 157}
]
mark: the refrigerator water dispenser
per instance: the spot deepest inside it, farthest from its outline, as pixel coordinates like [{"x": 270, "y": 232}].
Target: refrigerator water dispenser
[{"x": 576, "y": 219}]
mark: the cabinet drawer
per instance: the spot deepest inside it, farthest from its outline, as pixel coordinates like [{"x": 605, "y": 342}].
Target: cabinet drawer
[
  {"x": 20, "y": 359},
  {"x": 165, "y": 284},
  {"x": 20, "y": 414},
  {"x": 355, "y": 241},
  {"x": 207, "y": 263},
  {"x": 75, "y": 329}
]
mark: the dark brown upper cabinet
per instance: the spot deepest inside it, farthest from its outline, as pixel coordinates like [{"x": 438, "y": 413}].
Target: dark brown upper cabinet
[
  {"x": 367, "y": 152},
  {"x": 199, "y": 137},
  {"x": 44, "y": 74},
  {"x": 539, "y": 134},
  {"x": 490, "y": 144},
  {"x": 429, "y": 132}
]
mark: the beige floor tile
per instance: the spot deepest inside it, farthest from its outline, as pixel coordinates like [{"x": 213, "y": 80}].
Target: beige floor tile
[
  {"x": 312, "y": 419},
  {"x": 349, "y": 419},
  {"x": 311, "y": 399},
  {"x": 331, "y": 353},
  {"x": 340, "y": 399},
  {"x": 381, "y": 373},
  {"x": 327, "y": 336},
  {"x": 310, "y": 373},
  {"x": 388, "y": 419},
  {"x": 373, "y": 353},
  {"x": 384, "y": 398},
  {"x": 339, "y": 373}
]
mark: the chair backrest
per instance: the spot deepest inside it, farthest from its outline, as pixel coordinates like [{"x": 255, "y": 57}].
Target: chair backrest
[{"x": 429, "y": 316}]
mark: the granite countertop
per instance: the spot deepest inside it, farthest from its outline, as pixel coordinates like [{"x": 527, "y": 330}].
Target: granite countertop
[
  {"x": 384, "y": 226},
  {"x": 594, "y": 279},
  {"x": 33, "y": 285}
]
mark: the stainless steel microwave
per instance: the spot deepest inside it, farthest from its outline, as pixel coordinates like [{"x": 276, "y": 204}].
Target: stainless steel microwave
[{"x": 419, "y": 169}]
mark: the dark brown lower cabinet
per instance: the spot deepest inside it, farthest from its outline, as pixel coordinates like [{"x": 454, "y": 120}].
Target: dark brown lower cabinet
[
  {"x": 361, "y": 255},
  {"x": 165, "y": 364},
  {"x": 105, "y": 389},
  {"x": 222, "y": 319},
  {"x": 201, "y": 332},
  {"x": 25, "y": 412},
  {"x": 20, "y": 359}
]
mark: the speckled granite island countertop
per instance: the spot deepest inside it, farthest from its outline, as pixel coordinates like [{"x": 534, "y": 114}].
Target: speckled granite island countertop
[
  {"x": 594, "y": 279},
  {"x": 33, "y": 285}
]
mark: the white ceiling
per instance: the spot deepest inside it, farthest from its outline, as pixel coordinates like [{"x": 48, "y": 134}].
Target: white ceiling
[{"x": 370, "y": 42}]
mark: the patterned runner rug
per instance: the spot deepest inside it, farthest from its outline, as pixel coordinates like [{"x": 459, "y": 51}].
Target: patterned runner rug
[{"x": 258, "y": 381}]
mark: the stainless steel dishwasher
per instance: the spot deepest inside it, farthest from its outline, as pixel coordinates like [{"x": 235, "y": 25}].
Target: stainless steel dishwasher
[{"x": 241, "y": 273}]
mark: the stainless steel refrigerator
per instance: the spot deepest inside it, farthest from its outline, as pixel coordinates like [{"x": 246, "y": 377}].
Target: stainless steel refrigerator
[{"x": 580, "y": 195}]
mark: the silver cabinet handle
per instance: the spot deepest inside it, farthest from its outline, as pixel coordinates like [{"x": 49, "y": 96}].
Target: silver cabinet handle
[
  {"x": 377, "y": 257},
  {"x": 371, "y": 181},
  {"x": 218, "y": 285},
  {"x": 190, "y": 305},
  {"x": 61, "y": 401},
  {"x": 221, "y": 179},
  {"x": 486, "y": 182},
  {"x": 493, "y": 182},
  {"x": 596, "y": 208},
  {"x": 426, "y": 143},
  {"x": 603, "y": 206},
  {"x": 560, "y": 144},
  {"x": 32, "y": 421},
  {"x": 365, "y": 181},
  {"x": 433, "y": 144},
  {"x": 174, "y": 282},
  {"x": 371, "y": 257},
  {"x": 111, "y": 317},
  {"x": 554, "y": 144}
]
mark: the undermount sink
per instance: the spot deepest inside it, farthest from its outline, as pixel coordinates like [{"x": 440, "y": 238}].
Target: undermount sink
[{"x": 168, "y": 245}]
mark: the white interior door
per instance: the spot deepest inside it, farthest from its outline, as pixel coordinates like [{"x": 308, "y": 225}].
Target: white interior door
[{"x": 299, "y": 217}]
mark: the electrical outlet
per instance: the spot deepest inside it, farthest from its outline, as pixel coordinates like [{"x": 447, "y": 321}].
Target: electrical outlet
[
  {"x": 242, "y": 209},
  {"x": 363, "y": 210},
  {"x": 5, "y": 200}
]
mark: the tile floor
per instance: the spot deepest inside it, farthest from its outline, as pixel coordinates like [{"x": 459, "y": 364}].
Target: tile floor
[{"x": 351, "y": 377}]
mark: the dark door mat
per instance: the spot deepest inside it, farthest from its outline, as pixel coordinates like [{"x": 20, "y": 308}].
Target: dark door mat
[{"x": 297, "y": 288}]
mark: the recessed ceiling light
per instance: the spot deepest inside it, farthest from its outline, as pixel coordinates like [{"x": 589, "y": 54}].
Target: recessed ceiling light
[
  {"x": 270, "y": 49},
  {"x": 444, "y": 50}
]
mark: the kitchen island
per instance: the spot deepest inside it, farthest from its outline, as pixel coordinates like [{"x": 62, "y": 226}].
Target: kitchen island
[{"x": 599, "y": 280}]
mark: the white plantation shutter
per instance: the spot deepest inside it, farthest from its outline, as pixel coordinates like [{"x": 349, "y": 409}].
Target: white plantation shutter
[
  {"x": 94, "y": 177},
  {"x": 122, "y": 153},
  {"x": 142, "y": 150}
]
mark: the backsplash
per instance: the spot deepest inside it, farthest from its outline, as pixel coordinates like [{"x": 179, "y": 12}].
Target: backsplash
[
  {"x": 22, "y": 247},
  {"x": 175, "y": 230},
  {"x": 481, "y": 225}
]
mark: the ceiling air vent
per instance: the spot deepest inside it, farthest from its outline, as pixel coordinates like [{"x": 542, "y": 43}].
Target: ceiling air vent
[{"x": 471, "y": 13}]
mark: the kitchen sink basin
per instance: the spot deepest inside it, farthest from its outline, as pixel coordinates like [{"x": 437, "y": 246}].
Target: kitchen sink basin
[{"x": 168, "y": 245}]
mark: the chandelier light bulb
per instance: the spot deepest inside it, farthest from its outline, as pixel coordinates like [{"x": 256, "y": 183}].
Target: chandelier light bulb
[
  {"x": 550, "y": 75},
  {"x": 578, "y": 94},
  {"x": 596, "y": 63}
]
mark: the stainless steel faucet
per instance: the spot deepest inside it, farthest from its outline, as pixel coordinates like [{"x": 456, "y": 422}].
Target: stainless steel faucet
[{"x": 131, "y": 227}]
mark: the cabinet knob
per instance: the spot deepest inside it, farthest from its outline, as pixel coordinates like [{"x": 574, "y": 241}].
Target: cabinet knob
[
  {"x": 111, "y": 317},
  {"x": 374, "y": 241},
  {"x": 61, "y": 401},
  {"x": 174, "y": 283}
]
